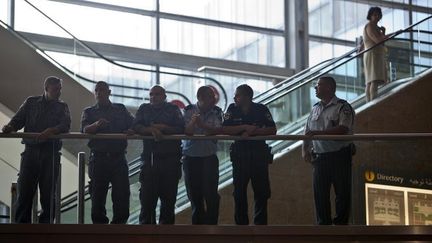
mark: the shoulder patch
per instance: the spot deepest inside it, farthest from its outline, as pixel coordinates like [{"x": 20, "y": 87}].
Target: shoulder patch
[
  {"x": 227, "y": 116},
  {"x": 269, "y": 116},
  {"x": 346, "y": 110}
]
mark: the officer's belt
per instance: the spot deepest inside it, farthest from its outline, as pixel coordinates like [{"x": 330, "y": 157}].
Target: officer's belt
[
  {"x": 330, "y": 154},
  {"x": 108, "y": 154},
  {"x": 250, "y": 143}
]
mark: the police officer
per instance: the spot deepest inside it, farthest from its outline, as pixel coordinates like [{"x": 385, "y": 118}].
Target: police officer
[
  {"x": 331, "y": 160},
  {"x": 200, "y": 163},
  {"x": 47, "y": 115},
  {"x": 250, "y": 159},
  {"x": 107, "y": 158},
  {"x": 161, "y": 171}
]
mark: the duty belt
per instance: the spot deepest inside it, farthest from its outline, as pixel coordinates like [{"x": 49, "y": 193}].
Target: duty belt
[
  {"x": 329, "y": 154},
  {"x": 108, "y": 154}
]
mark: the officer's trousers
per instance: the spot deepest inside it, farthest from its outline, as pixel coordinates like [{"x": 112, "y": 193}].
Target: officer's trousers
[
  {"x": 159, "y": 179},
  {"x": 201, "y": 175},
  {"x": 329, "y": 169},
  {"x": 39, "y": 165},
  {"x": 106, "y": 168},
  {"x": 249, "y": 164}
]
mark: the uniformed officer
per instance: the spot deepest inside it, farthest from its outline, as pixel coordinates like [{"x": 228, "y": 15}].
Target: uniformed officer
[
  {"x": 331, "y": 160},
  {"x": 47, "y": 115},
  {"x": 200, "y": 163},
  {"x": 161, "y": 169},
  {"x": 250, "y": 159},
  {"x": 107, "y": 158}
]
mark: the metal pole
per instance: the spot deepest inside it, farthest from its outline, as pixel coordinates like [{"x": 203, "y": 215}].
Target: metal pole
[
  {"x": 11, "y": 13},
  {"x": 81, "y": 184},
  {"x": 14, "y": 195},
  {"x": 35, "y": 208},
  {"x": 58, "y": 196}
]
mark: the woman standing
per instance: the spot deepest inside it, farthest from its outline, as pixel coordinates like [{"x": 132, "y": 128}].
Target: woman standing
[{"x": 374, "y": 60}]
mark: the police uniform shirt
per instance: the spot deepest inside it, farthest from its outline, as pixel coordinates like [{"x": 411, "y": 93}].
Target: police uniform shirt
[
  {"x": 258, "y": 115},
  {"x": 322, "y": 117},
  {"x": 202, "y": 148},
  {"x": 167, "y": 114},
  {"x": 120, "y": 119},
  {"x": 37, "y": 114}
]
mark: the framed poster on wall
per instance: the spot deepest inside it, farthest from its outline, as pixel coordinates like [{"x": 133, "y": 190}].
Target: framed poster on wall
[{"x": 397, "y": 205}]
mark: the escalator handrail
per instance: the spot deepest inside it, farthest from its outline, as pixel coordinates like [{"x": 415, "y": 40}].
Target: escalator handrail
[
  {"x": 295, "y": 79},
  {"x": 126, "y": 66},
  {"x": 295, "y": 76}
]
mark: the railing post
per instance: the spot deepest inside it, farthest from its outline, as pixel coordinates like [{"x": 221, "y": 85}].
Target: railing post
[
  {"x": 58, "y": 195},
  {"x": 81, "y": 188},
  {"x": 14, "y": 195},
  {"x": 35, "y": 208},
  {"x": 11, "y": 13}
]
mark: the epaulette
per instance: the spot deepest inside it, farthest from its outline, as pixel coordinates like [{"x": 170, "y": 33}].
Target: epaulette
[
  {"x": 61, "y": 102},
  {"x": 89, "y": 107},
  {"x": 118, "y": 105},
  {"x": 231, "y": 106},
  {"x": 342, "y": 101}
]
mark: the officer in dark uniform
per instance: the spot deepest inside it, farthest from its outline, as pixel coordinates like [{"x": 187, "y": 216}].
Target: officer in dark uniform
[
  {"x": 331, "y": 159},
  {"x": 47, "y": 115},
  {"x": 250, "y": 159},
  {"x": 161, "y": 169},
  {"x": 107, "y": 159}
]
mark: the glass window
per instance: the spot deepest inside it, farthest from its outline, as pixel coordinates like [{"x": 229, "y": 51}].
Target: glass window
[
  {"x": 423, "y": 3},
  {"x": 89, "y": 70},
  {"x": 208, "y": 41},
  {"x": 147, "y": 4},
  {"x": 349, "y": 18},
  {"x": 4, "y": 11},
  {"x": 319, "y": 52},
  {"x": 263, "y": 13},
  {"x": 394, "y": 20},
  {"x": 93, "y": 24}
]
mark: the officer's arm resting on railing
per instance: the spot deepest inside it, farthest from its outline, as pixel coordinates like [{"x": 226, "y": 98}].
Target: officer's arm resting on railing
[
  {"x": 166, "y": 129},
  {"x": 234, "y": 130},
  {"x": 143, "y": 130},
  {"x": 264, "y": 131}
]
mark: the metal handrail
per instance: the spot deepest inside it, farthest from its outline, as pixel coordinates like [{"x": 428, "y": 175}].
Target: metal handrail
[
  {"x": 360, "y": 136},
  {"x": 295, "y": 76}
]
